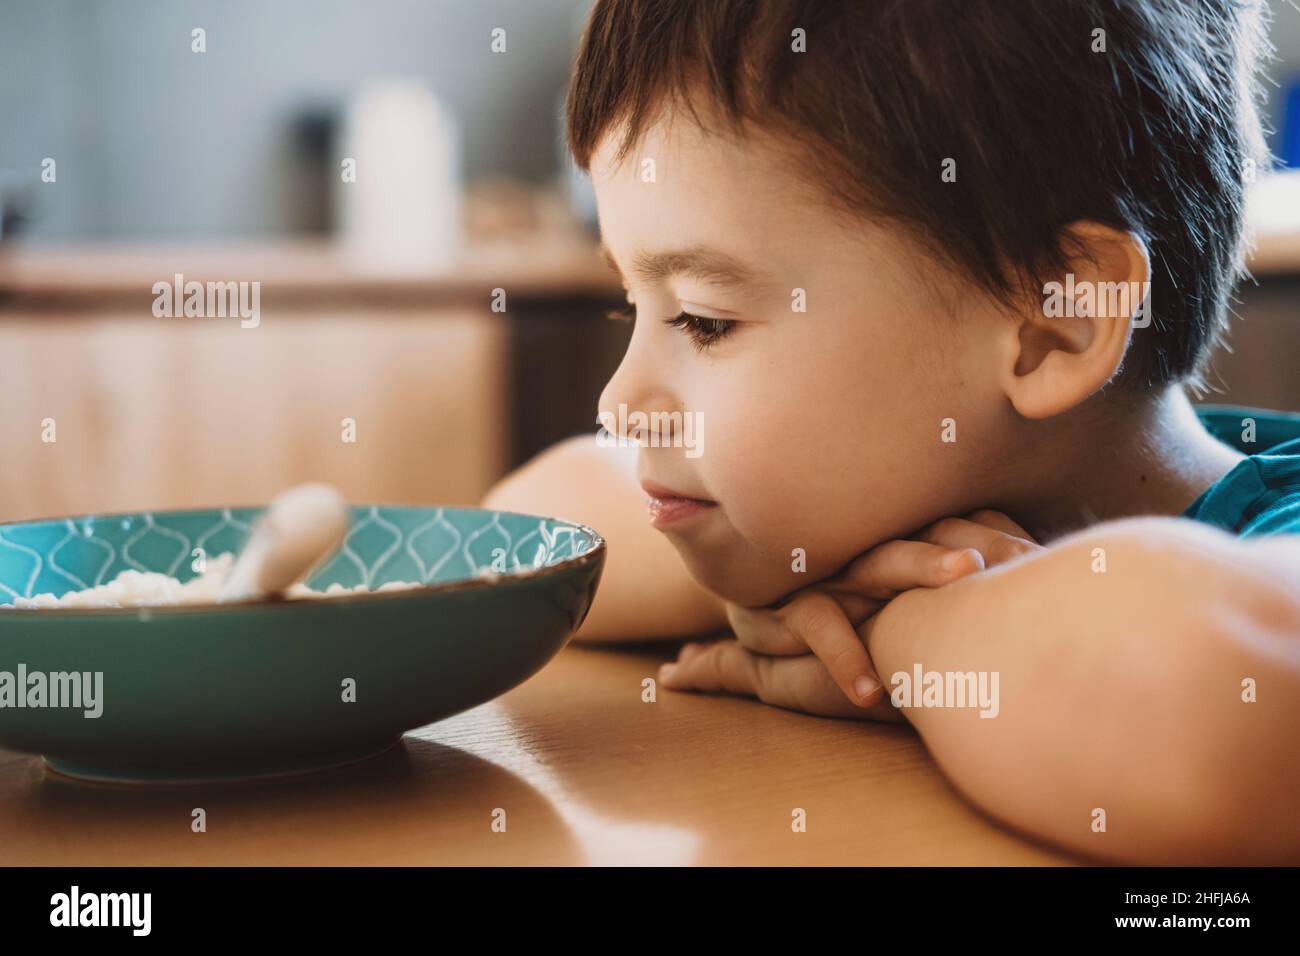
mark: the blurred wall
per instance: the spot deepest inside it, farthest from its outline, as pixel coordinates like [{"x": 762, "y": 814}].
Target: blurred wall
[{"x": 153, "y": 140}]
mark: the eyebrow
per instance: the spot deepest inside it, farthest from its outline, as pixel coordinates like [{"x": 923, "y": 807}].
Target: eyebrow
[{"x": 697, "y": 262}]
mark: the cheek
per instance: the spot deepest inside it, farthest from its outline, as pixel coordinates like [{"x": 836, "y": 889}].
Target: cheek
[{"x": 834, "y": 448}]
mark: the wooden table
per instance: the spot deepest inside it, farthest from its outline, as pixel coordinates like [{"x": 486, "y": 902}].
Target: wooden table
[{"x": 585, "y": 771}]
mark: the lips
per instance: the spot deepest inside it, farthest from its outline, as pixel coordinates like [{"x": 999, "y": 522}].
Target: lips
[{"x": 668, "y": 507}]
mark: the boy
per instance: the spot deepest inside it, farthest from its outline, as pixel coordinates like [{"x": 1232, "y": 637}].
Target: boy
[{"x": 933, "y": 278}]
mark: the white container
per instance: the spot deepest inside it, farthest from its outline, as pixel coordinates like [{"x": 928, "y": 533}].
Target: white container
[{"x": 402, "y": 214}]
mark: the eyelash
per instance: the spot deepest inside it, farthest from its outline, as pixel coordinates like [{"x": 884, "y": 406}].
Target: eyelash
[{"x": 703, "y": 332}]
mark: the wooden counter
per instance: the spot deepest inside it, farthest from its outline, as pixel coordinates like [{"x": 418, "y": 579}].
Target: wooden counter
[{"x": 89, "y": 276}]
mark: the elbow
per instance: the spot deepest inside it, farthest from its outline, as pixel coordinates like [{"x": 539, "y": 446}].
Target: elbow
[
  {"x": 1167, "y": 697},
  {"x": 1218, "y": 688},
  {"x": 534, "y": 485}
]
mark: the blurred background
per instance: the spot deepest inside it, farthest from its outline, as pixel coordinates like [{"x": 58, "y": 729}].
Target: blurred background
[{"x": 443, "y": 308}]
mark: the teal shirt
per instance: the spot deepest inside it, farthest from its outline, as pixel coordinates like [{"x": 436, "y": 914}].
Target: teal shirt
[{"x": 1261, "y": 495}]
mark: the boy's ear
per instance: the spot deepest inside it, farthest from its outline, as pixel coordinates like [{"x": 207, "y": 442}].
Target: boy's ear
[{"x": 1070, "y": 339}]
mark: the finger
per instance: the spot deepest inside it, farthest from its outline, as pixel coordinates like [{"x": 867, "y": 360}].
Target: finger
[
  {"x": 821, "y": 625},
  {"x": 996, "y": 519},
  {"x": 689, "y": 650},
  {"x": 994, "y": 546},
  {"x": 856, "y": 607},
  {"x": 901, "y": 565},
  {"x": 763, "y": 631},
  {"x": 795, "y": 683},
  {"x": 720, "y": 666},
  {"x": 803, "y": 684}
]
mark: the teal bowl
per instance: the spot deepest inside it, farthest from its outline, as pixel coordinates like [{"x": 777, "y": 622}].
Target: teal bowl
[{"x": 269, "y": 687}]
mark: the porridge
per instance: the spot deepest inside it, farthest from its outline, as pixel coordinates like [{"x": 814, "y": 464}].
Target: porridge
[{"x": 149, "y": 588}]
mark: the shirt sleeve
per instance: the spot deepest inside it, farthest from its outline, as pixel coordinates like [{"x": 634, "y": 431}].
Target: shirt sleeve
[{"x": 1277, "y": 510}]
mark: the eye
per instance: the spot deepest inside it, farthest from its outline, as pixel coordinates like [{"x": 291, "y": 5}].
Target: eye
[{"x": 703, "y": 332}]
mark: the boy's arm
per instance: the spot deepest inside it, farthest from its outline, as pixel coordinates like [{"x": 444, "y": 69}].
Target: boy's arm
[
  {"x": 1122, "y": 690},
  {"x": 645, "y": 590}
]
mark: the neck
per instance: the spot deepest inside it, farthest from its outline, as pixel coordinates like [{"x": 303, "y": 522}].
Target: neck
[{"x": 1113, "y": 461}]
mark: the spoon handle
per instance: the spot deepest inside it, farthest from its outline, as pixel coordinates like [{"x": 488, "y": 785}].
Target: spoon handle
[{"x": 299, "y": 528}]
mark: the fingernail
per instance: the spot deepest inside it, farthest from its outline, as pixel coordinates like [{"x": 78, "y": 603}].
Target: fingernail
[
  {"x": 666, "y": 672},
  {"x": 864, "y": 686},
  {"x": 953, "y": 560}
]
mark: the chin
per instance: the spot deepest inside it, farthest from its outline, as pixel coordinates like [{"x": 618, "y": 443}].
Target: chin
[{"x": 746, "y": 580}]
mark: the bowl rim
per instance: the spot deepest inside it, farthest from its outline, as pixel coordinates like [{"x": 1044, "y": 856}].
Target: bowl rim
[{"x": 597, "y": 553}]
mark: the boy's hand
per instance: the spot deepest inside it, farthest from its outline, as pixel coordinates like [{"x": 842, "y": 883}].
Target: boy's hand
[{"x": 806, "y": 654}]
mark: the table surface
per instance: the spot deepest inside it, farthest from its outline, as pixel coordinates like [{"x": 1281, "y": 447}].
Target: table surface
[{"x": 579, "y": 769}]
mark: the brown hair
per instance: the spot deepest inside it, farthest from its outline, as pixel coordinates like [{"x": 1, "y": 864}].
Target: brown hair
[{"x": 1149, "y": 125}]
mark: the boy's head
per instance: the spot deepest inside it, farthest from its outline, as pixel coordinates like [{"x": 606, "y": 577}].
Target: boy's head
[{"x": 867, "y": 205}]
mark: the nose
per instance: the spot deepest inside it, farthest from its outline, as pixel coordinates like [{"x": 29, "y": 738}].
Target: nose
[{"x": 637, "y": 391}]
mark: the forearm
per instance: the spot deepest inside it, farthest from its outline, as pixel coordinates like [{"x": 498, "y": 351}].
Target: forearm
[
  {"x": 645, "y": 591},
  {"x": 1121, "y": 691}
]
